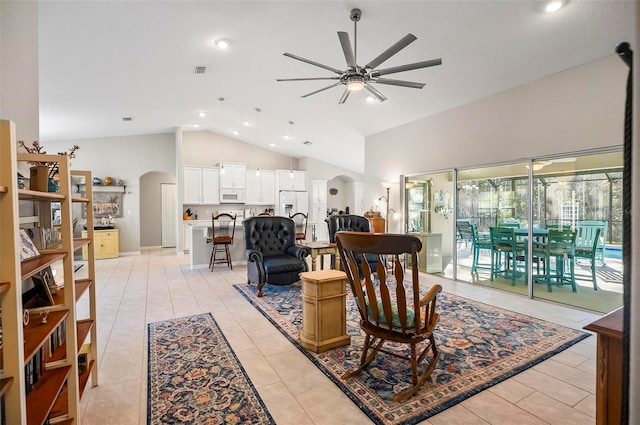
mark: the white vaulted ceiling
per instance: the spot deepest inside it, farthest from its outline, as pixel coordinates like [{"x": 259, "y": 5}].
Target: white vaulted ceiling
[{"x": 102, "y": 61}]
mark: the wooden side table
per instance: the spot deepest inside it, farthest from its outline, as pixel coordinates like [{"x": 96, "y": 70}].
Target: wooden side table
[
  {"x": 318, "y": 250},
  {"x": 324, "y": 311},
  {"x": 608, "y": 367}
]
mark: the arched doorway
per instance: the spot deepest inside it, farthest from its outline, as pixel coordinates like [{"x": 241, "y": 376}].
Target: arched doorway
[{"x": 151, "y": 207}]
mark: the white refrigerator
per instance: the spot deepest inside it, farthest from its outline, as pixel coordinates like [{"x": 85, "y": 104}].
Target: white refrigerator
[{"x": 291, "y": 202}]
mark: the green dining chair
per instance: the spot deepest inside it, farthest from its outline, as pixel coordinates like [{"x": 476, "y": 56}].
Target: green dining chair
[
  {"x": 559, "y": 245},
  {"x": 587, "y": 240},
  {"x": 585, "y": 231},
  {"x": 504, "y": 251},
  {"x": 479, "y": 242}
]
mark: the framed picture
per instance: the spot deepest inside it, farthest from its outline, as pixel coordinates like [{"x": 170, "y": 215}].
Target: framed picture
[
  {"x": 106, "y": 204},
  {"x": 42, "y": 289},
  {"x": 27, "y": 247},
  {"x": 47, "y": 276}
]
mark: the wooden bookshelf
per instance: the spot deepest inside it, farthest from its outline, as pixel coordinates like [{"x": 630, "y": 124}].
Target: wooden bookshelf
[
  {"x": 34, "y": 265},
  {"x": 4, "y": 385},
  {"x": 37, "y": 333},
  {"x": 33, "y": 195},
  {"x": 28, "y": 403},
  {"x": 83, "y": 328},
  {"x": 79, "y": 199},
  {"x": 44, "y": 395}
]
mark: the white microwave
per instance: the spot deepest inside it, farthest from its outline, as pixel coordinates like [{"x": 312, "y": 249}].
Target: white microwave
[{"x": 232, "y": 196}]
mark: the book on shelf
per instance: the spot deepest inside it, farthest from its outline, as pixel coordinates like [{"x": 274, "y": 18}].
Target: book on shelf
[{"x": 27, "y": 247}]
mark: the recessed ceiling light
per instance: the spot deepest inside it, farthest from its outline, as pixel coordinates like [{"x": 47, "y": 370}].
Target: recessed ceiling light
[
  {"x": 223, "y": 43},
  {"x": 273, "y": 145},
  {"x": 202, "y": 114},
  {"x": 236, "y": 132},
  {"x": 553, "y": 5},
  {"x": 286, "y": 137},
  {"x": 371, "y": 99},
  {"x": 196, "y": 125},
  {"x": 246, "y": 123}
]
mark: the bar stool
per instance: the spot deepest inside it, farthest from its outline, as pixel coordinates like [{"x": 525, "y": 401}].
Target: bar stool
[
  {"x": 223, "y": 229},
  {"x": 300, "y": 219}
]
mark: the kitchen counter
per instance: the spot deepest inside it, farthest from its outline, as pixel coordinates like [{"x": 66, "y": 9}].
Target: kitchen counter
[{"x": 198, "y": 231}]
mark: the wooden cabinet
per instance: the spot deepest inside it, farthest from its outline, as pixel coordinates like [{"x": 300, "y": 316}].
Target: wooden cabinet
[
  {"x": 291, "y": 180},
  {"x": 106, "y": 244},
  {"x": 608, "y": 366},
  {"x": 261, "y": 188},
  {"x": 234, "y": 176},
  {"x": 56, "y": 394},
  {"x": 200, "y": 186}
]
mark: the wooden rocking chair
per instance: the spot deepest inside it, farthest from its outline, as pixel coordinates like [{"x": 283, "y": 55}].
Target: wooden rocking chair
[{"x": 388, "y": 310}]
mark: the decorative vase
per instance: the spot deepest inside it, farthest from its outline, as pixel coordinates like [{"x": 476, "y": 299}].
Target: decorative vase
[
  {"x": 39, "y": 181},
  {"x": 52, "y": 185}
]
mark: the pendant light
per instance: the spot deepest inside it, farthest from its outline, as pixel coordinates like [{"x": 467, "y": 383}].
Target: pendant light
[
  {"x": 258, "y": 110},
  {"x": 221, "y": 99},
  {"x": 291, "y": 151}
]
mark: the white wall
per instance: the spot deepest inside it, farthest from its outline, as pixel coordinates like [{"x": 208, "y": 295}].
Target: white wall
[
  {"x": 338, "y": 200},
  {"x": 582, "y": 108},
  {"x": 19, "y": 99},
  {"x": 203, "y": 148},
  {"x": 126, "y": 158},
  {"x": 317, "y": 169}
]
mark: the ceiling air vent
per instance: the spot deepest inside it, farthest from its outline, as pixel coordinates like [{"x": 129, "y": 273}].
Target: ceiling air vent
[
  {"x": 127, "y": 118},
  {"x": 199, "y": 69},
  {"x": 307, "y": 143}
]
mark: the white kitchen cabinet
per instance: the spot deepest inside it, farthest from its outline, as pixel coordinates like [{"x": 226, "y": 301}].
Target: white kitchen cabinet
[
  {"x": 285, "y": 181},
  {"x": 318, "y": 191},
  {"x": 319, "y": 209},
  {"x": 201, "y": 186},
  {"x": 261, "y": 189},
  {"x": 210, "y": 186},
  {"x": 234, "y": 176}
]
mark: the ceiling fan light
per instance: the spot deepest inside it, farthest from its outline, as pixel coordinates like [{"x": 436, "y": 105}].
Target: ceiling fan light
[
  {"x": 355, "y": 84},
  {"x": 553, "y": 5}
]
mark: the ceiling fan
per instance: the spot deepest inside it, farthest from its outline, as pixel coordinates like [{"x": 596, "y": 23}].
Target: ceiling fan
[{"x": 362, "y": 77}]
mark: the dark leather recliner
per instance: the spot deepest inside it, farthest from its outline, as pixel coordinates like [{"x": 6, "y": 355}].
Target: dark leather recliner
[
  {"x": 272, "y": 254},
  {"x": 355, "y": 223}
]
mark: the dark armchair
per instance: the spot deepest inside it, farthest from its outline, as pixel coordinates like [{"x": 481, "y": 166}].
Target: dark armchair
[
  {"x": 272, "y": 254},
  {"x": 347, "y": 222}
]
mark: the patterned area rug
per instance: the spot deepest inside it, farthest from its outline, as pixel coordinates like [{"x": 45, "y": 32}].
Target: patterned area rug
[
  {"x": 480, "y": 346},
  {"x": 195, "y": 377}
]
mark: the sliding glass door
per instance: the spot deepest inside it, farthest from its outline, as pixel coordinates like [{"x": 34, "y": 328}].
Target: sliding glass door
[{"x": 578, "y": 198}]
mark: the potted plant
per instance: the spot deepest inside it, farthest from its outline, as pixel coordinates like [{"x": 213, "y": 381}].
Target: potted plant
[{"x": 42, "y": 173}]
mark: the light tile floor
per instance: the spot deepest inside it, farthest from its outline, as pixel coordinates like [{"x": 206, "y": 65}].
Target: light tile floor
[{"x": 157, "y": 285}]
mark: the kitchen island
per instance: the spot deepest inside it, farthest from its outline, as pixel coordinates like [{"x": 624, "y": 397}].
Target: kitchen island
[{"x": 196, "y": 234}]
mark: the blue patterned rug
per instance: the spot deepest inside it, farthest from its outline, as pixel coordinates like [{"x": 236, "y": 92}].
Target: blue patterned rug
[
  {"x": 480, "y": 346},
  {"x": 195, "y": 377}
]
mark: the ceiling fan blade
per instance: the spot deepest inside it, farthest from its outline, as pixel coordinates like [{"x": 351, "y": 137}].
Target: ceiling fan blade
[
  {"x": 401, "y": 44},
  {"x": 346, "y": 48},
  {"x": 375, "y": 92},
  {"x": 408, "y": 67},
  {"x": 400, "y": 83},
  {"x": 310, "y": 62},
  {"x": 344, "y": 97},
  {"x": 307, "y": 79},
  {"x": 322, "y": 89}
]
